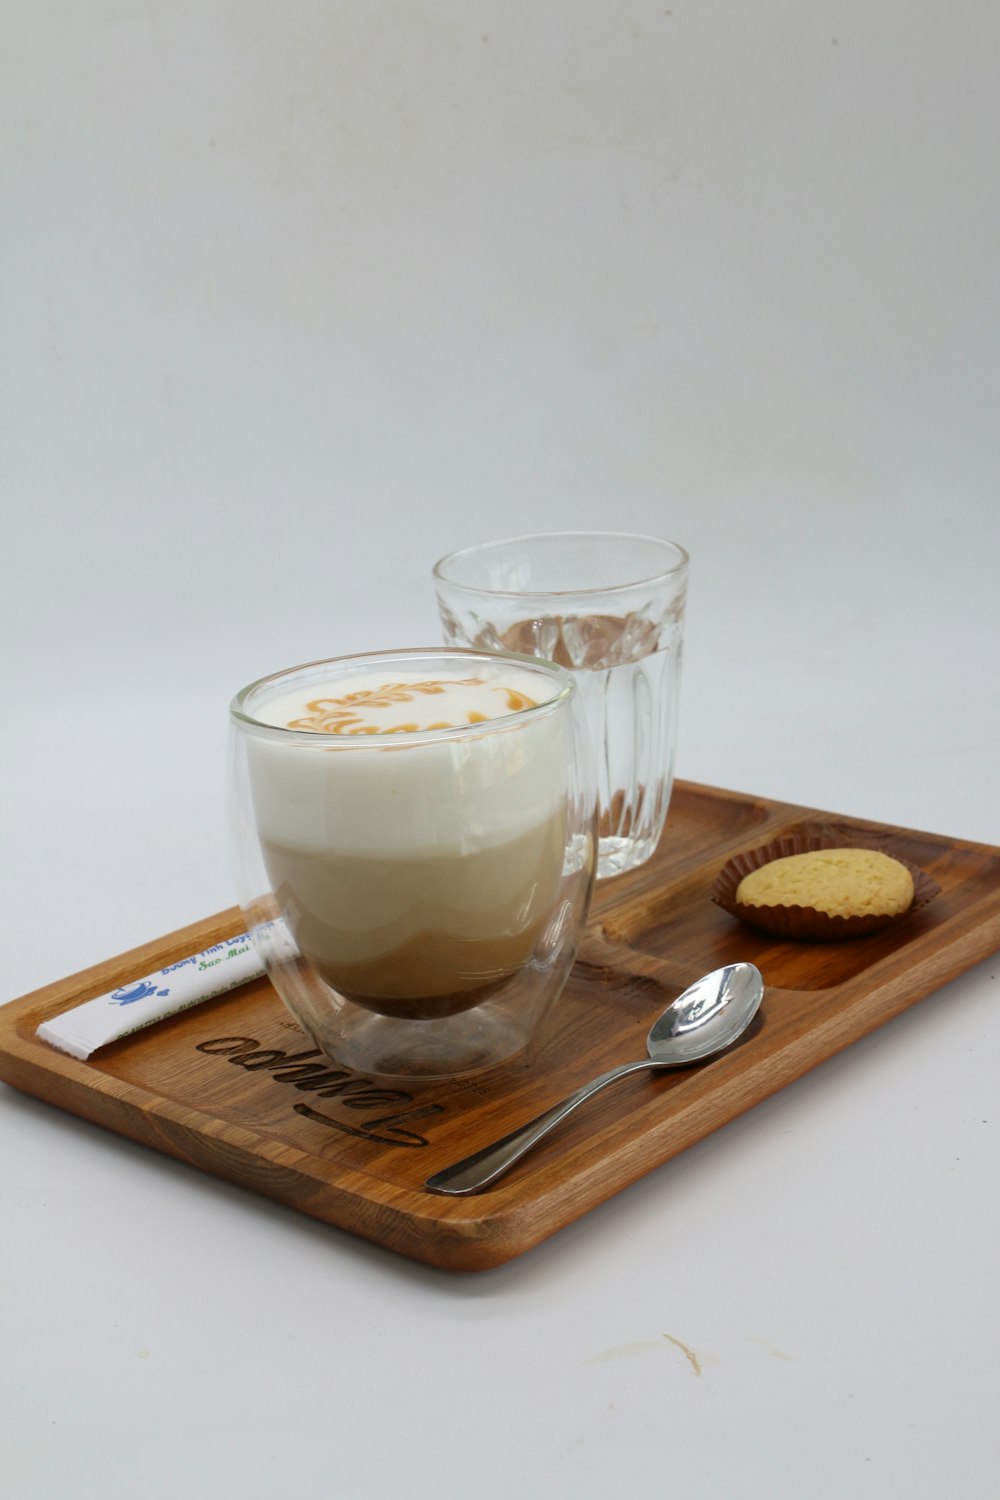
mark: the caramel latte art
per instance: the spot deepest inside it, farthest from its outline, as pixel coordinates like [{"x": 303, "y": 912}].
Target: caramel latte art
[
  {"x": 415, "y": 875},
  {"x": 401, "y": 706}
]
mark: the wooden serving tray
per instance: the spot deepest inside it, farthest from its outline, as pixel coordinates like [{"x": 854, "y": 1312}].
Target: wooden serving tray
[{"x": 225, "y": 1086}]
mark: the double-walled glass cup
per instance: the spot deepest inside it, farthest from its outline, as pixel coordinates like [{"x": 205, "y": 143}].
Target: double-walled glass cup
[
  {"x": 416, "y": 896},
  {"x": 610, "y": 607}
]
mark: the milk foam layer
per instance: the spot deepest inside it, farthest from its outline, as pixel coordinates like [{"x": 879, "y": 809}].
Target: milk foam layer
[
  {"x": 366, "y": 791},
  {"x": 405, "y": 702}
]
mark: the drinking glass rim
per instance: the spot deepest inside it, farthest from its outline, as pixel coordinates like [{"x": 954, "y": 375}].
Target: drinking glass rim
[
  {"x": 549, "y": 536},
  {"x": 399, "y": 739}
]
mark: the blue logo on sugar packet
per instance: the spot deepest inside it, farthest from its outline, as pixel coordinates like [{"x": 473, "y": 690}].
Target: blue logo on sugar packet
[{"x": 129, "y": 993}]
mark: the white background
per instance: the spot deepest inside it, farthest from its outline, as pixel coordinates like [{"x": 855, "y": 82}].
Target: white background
[{"x": 297, "y": 297}]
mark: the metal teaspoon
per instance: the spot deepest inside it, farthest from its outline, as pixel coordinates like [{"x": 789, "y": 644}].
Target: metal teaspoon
[{"x": 706, "y": 1018}]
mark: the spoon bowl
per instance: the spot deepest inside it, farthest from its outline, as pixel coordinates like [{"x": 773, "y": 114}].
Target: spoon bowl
[{"x": 709, "y": 1016}]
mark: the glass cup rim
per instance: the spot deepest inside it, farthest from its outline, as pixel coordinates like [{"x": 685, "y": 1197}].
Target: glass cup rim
[
  {"x": 483, "y": 590},
  {"x": 314, "y": 737}
]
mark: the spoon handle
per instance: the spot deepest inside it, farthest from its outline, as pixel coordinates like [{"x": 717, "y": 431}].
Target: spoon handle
[{"x": 483, "y": 1167}]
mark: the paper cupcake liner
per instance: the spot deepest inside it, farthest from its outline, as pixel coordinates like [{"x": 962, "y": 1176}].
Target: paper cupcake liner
[{"x": 805, "y": 923}]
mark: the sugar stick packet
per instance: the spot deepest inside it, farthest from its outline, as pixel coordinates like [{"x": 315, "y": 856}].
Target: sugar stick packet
[{"x": 139, "y": 1003}]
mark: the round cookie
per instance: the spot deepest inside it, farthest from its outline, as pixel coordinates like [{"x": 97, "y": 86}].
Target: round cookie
[{"x": 840, "y": 882}]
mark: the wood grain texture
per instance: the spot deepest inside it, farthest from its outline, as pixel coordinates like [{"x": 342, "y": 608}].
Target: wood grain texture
[{"x": 235, "y": 1088}]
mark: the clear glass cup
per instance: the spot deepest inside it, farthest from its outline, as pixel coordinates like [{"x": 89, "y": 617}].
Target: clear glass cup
[
  {"x": 416, "y": 897},
  {"x": 610, "y": 607}
]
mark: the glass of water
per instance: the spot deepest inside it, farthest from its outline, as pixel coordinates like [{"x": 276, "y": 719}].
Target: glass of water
[{"x": 610, "y": 607}]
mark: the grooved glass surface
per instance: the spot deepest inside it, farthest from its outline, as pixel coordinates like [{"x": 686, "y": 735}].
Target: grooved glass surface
[{"x": 609, "y": 607}]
